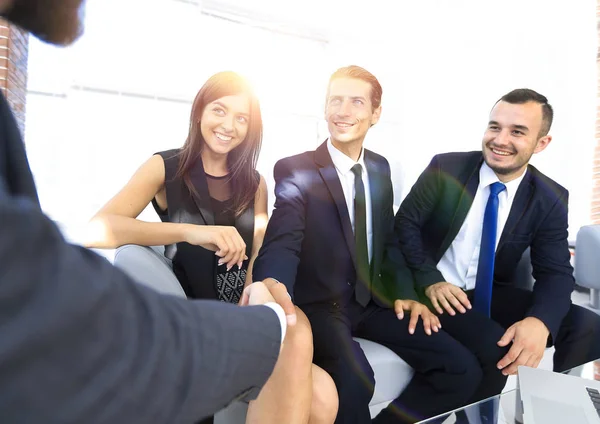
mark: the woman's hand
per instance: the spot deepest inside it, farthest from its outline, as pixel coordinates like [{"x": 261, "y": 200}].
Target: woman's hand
[{"x": 225, "y": 241}]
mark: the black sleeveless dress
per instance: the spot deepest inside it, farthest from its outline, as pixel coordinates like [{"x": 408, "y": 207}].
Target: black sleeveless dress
[{"x": 197, "y": 268}]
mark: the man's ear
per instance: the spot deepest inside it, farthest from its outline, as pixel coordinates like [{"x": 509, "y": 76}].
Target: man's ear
[
  {"x": 376, "y": 115},
  {"x": 542, "y": 143}
]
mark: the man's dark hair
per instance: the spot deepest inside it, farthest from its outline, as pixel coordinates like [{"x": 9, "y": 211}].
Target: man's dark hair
[{"x": 524, "y": 95}]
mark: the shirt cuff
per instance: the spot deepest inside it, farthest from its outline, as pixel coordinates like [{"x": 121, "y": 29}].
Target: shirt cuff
[{"x": 281, "y": 315}]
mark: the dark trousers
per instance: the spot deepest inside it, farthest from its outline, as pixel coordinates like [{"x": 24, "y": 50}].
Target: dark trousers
[
  {"x": 577, "y": 341},
  {"x": 578, "y": 338},
  {"x": 446, "y": 376},
  {"x": 480, "y": 335}
]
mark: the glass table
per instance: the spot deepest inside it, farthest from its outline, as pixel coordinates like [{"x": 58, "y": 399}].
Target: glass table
[{"x": 508, "y": 410}]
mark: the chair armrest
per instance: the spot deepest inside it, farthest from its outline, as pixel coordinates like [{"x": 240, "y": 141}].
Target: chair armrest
[
  {"x": 587, "y": 254},
  {"x": 148, "y": 266}
]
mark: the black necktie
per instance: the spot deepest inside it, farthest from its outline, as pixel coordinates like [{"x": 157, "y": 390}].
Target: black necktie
[{"x": 361, "y": 290}]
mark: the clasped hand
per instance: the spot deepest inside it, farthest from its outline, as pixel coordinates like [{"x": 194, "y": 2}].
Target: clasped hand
[
  {"x": 270, "y": 290},
  {"x": 446, "y": 295}
]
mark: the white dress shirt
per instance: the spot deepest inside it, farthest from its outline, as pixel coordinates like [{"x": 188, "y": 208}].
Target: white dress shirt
[
  {"x": 459, "y": 263},
  {"x": 343, "y": 165}
]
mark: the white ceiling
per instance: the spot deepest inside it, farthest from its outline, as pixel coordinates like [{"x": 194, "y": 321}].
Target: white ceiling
[{"x": 377, "y": 19}]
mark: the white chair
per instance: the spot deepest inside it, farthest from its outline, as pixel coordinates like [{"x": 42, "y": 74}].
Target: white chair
[{"x": 587, "y": 263}]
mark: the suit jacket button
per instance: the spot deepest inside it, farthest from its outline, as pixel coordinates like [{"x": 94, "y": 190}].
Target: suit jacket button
[{"x": 348, "y": 282}]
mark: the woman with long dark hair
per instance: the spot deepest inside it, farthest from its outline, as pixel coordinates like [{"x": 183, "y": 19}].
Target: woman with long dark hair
[{"x": 213, "y": 206}]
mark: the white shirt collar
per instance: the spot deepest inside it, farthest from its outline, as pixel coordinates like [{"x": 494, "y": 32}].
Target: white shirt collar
[
  {"x": 343, "y": 163},
  {"x": 487, "y": 177}
]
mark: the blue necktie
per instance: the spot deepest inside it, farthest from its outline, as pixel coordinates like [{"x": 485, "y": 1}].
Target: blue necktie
[{"x": 487, "y": 252}]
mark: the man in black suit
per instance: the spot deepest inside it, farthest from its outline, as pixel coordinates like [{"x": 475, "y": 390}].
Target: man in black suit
[
  {"x": 330, "y": 241},
  {"x": 83, "y": 343},
  {"x": 464, "y": 227}
]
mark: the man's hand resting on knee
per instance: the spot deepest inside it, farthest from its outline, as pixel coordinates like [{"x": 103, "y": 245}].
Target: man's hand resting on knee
[
  {"x": 430, "y": 320},
  {"x": 447, "y": 295},
  {"x": 529, "y": 338}
]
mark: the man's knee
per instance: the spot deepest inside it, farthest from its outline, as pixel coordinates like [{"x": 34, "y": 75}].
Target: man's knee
[
  {"x": 583, "y": 322},
  {"x": 464, "y": 375},
  {"x": 493, "y": 381},
  {"x": 298, "y": 343},
  {"x": 578, "y": 339},
  {"x": 489, "y": 353}
]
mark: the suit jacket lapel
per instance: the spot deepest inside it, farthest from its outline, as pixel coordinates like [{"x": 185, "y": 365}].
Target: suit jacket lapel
[
  {"x": 332, "y": 181},
  {"x": 376, "y": 183},
  {"x": 202, "y": 198},
  {"x": 471, "y": 178},
  {"x": 519, "y": 206}
]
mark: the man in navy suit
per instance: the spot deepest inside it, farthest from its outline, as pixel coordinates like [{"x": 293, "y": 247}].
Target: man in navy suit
[
  {"x": 464, "y": 227},
  {"x": 330, "y": 241}
]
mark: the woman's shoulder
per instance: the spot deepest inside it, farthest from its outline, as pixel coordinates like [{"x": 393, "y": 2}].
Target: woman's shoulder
[
  {"x": 261, "y": 179},
  {"x": 261, "y": 189},
  {"x": 169, "y": 154},
  {"x": 171, "y": 161}
]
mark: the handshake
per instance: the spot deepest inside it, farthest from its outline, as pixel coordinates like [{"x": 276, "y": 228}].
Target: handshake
[{"x": 270, "y": 291}]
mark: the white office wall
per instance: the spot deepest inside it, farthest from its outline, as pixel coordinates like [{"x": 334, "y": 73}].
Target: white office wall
[{"x": 442, "y": 65}]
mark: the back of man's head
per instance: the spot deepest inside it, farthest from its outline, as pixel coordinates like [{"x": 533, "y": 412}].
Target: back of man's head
[{"x": 54, "y": 21}]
